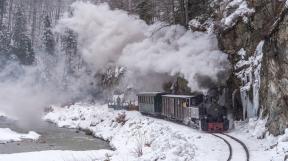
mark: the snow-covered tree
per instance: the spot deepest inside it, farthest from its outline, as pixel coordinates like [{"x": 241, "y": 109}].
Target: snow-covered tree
[
  {"x": 3, "y": 4},
  {"x": 4, "y": 32},
  {"x": 69, "y": 45},
  {"x": 48, "y": 37},
  {"x": 145, "y": 11},
  {"x": 21, "y": 42}
]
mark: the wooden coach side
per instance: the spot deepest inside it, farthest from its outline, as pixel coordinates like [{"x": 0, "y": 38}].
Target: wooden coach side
[
  {"x": 178, "y": 107},
  {"x": 150, "y": 103}
]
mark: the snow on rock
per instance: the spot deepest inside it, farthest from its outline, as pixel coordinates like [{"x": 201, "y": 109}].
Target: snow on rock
[
  {"x": 240, "y": 9},
  {"x": 249, "y": 73},
  {"x": 284, "y": 138},
  {"x": 99, "y": 155},
  {"x": 3, "y": 115},
  {"x": 7, "y": 135},
  {"x": 141, "y": 138}
]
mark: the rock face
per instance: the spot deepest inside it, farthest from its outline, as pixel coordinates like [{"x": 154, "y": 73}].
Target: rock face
[
  {"x": 254, "y": 33},
  {"x": 274, "y": 89},
  {"x": 258, "y": 51}
]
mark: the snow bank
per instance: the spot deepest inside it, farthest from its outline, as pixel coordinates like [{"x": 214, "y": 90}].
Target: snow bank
[
  {"x": 162, "y": 140},
  {"x": 99, "y": 155},
  {"x": 138, "y": 137},
  {"x": 7, "y": 135},
  {"x": 3, "y": 114},
  {"x": 262, "y": 145}
]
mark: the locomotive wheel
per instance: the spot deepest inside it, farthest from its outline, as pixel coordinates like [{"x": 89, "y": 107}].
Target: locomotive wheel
[
  {"x": 204, "y": 125},
  {"x": 226, "y": 124}
]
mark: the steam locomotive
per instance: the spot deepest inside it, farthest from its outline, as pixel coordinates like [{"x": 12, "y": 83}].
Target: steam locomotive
[{"x": 198, "y": 111}]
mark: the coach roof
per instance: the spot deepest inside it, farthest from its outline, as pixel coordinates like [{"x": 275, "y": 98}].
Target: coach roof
[
  {"x": 150, "y": 93},
  {"x": 179, "y": 96}
]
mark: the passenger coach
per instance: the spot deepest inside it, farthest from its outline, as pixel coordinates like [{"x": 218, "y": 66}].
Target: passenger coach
[
  {"x": 197, "y": 110},
  {"x": 150, "y": 103},
  {"x": 183, "y": 108}
]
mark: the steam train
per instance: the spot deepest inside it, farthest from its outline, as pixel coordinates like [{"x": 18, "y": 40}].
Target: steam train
[{"x": 197, "y": 110}]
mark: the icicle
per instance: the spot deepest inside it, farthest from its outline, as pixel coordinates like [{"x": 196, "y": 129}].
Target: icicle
[
  {"x": 257, "y": 77},
  {"x": 250, "y": 77}
]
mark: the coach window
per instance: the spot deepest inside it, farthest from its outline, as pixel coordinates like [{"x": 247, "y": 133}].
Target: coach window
[
  {"x": 193, "y": 102},
  {"x": 148, "y": 99}
]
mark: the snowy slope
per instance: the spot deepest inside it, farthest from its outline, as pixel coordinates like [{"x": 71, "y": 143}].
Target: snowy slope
[
  {"x": 159, "y": 139},
  {"x": 141, "y": 138},
  {"x": 266, "y": 147}
]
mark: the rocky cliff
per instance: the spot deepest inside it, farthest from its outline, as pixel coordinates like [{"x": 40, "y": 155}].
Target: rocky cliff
[
  {"x": 254, "y": 33},
  {"x": 257, "y": 48}
]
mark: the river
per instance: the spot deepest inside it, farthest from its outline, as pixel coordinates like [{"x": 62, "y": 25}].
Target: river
[{"x": 52, "y": 138}]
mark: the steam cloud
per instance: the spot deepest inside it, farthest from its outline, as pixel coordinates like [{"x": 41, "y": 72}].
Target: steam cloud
[
  {"x": 27, "y": 90},
  {"x": 114, "y": 36},
  {"x": 108, "y": 36}
]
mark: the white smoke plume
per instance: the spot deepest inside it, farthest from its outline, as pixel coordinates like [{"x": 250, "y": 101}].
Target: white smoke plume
[
  {"x": 27, "y": 90},
  {"x": 114, "y": 36},
  {"x": 150, "y": 55}
]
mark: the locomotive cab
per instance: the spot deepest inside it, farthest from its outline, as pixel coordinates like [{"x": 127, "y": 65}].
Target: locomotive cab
[{"x": 213, "y": 116}]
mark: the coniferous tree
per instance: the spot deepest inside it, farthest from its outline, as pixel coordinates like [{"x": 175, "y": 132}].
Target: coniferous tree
[
  {"x": 69, "y": 44},
  {"x": 145, "y": 11},
  {"x": 48, "y": 36},
  {"x": 4, "y": 40},
  {"x": 21, "y": 43},
  {"x": 3, "y": 4},
  {"x": 4, "y": 32}
]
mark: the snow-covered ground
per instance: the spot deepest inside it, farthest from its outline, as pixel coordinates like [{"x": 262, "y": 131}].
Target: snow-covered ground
[
  {"x": 141, "y": 138},
  {"x": 266, "y": 147},
  {"x": 99, "y": 155},
  {"x": 163, "y": 140},
  {"x": 7, "y": 135}
]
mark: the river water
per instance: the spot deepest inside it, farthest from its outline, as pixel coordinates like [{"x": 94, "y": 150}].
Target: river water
[{"x": 52, "y": 138}]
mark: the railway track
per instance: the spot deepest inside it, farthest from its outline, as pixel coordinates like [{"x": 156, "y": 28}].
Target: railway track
[{"x": 229, "y": 144}]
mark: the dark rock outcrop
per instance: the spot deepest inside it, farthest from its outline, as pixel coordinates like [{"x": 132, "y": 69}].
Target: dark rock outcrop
[{"x": 269, "y": 23}]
